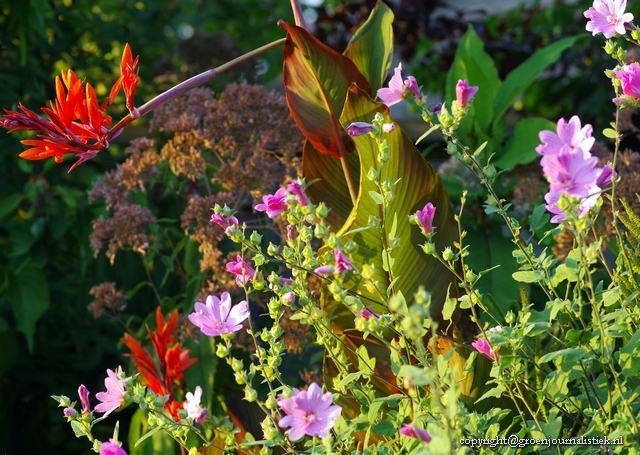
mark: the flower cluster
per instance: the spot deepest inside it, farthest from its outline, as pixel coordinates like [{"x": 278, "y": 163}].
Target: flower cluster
[
  {"x": 398, "y": 90},
  {"x": 570, "y": 169},
  {"x": 76, "y": 123}
]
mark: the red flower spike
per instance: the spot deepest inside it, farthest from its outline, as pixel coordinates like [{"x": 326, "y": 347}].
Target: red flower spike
[
  {"x": 163, "y": 374},
  {"x": 128, "y": 79}
]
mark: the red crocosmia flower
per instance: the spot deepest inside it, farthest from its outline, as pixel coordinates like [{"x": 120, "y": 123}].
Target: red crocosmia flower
[
  {"x": 128, "y": 79},
  {"x": 167, "y": 373}
]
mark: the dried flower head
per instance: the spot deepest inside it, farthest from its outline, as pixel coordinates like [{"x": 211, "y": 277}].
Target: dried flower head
[{"x": 107, "y": 299}]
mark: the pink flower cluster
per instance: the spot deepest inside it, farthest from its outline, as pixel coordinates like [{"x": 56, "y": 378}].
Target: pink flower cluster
[{"x": 569, "y": 167}]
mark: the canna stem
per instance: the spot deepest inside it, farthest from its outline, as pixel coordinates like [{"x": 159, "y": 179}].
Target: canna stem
[
  {"x": 297, "y": 14},
  {"x": 187, "y": 85}
]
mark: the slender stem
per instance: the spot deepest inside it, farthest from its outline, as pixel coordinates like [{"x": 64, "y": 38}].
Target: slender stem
[
  {"x": 189, "y": 84},
  {"x": 297, "y": 14}
]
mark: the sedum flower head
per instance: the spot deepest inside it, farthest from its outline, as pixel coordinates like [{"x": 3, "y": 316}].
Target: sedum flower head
[
  {"x": 607, "y": 17},
  {"x": 113, "y": 398},
  {"x": 216, "y": 317},
  {"x": 308, "y": 412}
]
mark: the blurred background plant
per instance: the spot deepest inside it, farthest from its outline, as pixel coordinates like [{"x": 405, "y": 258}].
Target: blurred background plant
[{"x": 55, "y": 227}]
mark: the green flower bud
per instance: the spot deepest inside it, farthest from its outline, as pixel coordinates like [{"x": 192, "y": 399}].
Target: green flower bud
[
  {"x": 322, "y": 211},
  {"x": 272, "y": 249},
  {"x": 255, "y": 238},
  {"x": 222, "y": 350},
  {"x": 237, "y": 364},
  {"x": 448, "y": 254}
]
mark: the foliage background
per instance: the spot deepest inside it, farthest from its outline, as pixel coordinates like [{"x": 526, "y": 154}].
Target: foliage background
[{"x": 50, "y": 342}]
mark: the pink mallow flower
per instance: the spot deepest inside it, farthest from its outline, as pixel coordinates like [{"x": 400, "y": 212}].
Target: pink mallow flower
[
  {"x": 342, "y": 263},
  {"x": 216, "y": 317},
  {"x": 193, "y": 408},
  {"x": 398, "y": 90},
  {"x": 308, "y": 412},
  {"x": 83, "y": 393},
  {"x": 242, "y": 270},
  {"x": 415, "y": 432},
  {"x": 571, "y": 173},
  {"x": 273, "y": 204},
  {"x": 482, "y": 346},
  {"x": 296, "y": 189},
  {"x": 425, "y": 217},
  {"x": 629, "y": 76},
  {"x": 586, "y": 203},
  {"x": 113, "y": 398},
  {"x": 571, "y": 137},
  {"x": 111, "y": 448},
  {"x": 224, "y": 221},
  {"x": 607, "y": 17},
  {"x": 464, "y": 93}
]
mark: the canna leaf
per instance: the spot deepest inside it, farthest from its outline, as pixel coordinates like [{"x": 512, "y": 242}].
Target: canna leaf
[{"x": 316, "y": 80}]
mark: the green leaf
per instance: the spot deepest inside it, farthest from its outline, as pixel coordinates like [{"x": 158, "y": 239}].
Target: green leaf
[
  {"x": 478, "y": 68},
  {"x": 371, "y": 47},
  {"x": 570, "y": 355},
  {"x": 610, "y": 133},
  {"x": 521, "y": 148},
  {"x": 523, "y": 76},
  {"x": 528, "y": 276},
  {"x": 418, "y": 183},
  {"x": 331, "y": 185},
  {"x": 9, "y": 203},
  {"x": 384, "y": 428},
  {"x": 159, "y": 443},
  {"x": 28, "y": 292},
  {"x": 316, "y": 80},
  {"x": 628, "y": 356}
]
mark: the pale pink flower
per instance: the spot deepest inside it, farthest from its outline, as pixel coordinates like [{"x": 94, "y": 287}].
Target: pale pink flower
[
  {"x": 308, "y": 412},
  {"x": 242, "y": 270},
  {"x": 324, "y": 270},
  {"x": 398, "y": 90},
  {"x": 216, "y": 317},
  {"x": 607, "y": 17},
  {"x": 113, "y": 398},
  {"x": 273, "y": 204},
  {"x": 193, "y": 408},
  {"x": 482, "y": 346},
  {"x": 464, "y": 93},
  {"x": 111, "y": 448},
  {"x": 425, "y": 217},
  {"x": 342, "y": 263},
  {"x": 571, "y": 173},
  {"x": 296, "y": 189},
  {"x": 69, "y": 412},
  {"x": 415, "y": 432},
  {"x": 570, "y": 138},
  {"x": 359, "y": 128},
  {"x": 629, "y": 77},
  {"x": 83, "y": 393}
]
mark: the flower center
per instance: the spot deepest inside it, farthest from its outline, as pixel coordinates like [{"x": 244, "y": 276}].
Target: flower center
[
  {"x": 612, "y": 19},
  {"x": 310, "y": 418}
]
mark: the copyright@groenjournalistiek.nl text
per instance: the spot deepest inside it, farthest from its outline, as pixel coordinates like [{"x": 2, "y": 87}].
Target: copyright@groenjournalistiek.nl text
[{"x": 515, "y": 441}]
